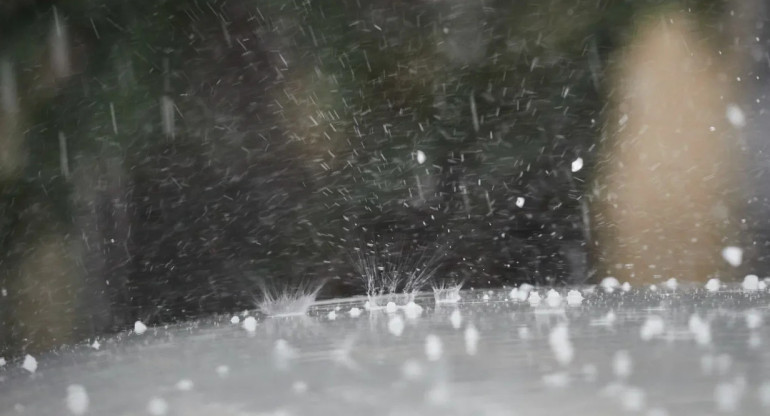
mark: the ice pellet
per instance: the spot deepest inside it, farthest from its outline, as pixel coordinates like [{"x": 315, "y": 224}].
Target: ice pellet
[
  {"x": 250, "y": 324},
  {"x": 671, "y": 284},
  {"x": 609, "y": 284},
  {"x": 29, "y": 363},
  {"x": 750, "y": 283},
  {"x": 625, "y": 286},
  {"x": 299, "y": 387},
  {"x": 574, "y": 298},
  {"x": 733, "y": 255},
  {"x": 520, "y": 202},
  {"x": 96, "y": 345},
  {"x": 753, "y": 319},
  {"x": 139, "y": 327},
  {"x": 713, "y": 285},
  {"x": 420, "y": 157},
  {"x": 157, "y": 406},
  {"x": 433, "y": 347},
  {"x": 471, "y": 340},
  {"x": 223, "y": 371},
  {"x": 621, "y": 364},
  {"x": 577, "y": 164},
  {"x": 77, "y": 399},
  {"x": 456, "y": 319},
  {"x": 235, "y": 319},
  {"x": 553, "y": 298},
  {"x": 534, "y": 298},
  {"x": 184, "y": 384},
  {"x": 412, "y": 310},
  {"x": 331, "y": 315},
  {"x": 735, "y": 116},
  {"x": 354, "y": 312},
  {"x": 700, "y": 330},
  {"x": 561, "y": 345},
  {"x": 653, "y": 326},
  {"x": 396, "y": 325}
]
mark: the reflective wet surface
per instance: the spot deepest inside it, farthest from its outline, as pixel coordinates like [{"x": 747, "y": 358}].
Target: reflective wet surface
[{"x": 651, "y": 351}]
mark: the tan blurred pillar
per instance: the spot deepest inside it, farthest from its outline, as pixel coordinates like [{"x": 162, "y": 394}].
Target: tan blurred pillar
[{"x": 663, "y": 185}]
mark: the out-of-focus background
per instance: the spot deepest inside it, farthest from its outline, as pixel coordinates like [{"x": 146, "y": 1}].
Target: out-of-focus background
[{"x": 161, "y": 159}]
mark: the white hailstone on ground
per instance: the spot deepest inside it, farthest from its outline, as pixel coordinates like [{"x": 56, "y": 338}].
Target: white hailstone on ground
[
  {"x": 750, "y": 283},
  {"x": 434, "y": 349},
  {"x": 471, "y": 340},
  {"x": 354, "y": 312},
  {"x": 577, "y": 164},
  {"x": 553, "y": 298},
  {"x": 250, "y": 324},
  {"x": 735, "y": 116},
  {"x": 485, "y": 298},
  {"x": 184, "y": 384},
  {"x": 609, "y": 284},
  {"x": 29, "y": 363},
  {"x": 235, "y": 319},
  {"x": 157, "y": 406},
  {"x": 77, "y": 399},
  {"x": 753, "y": 319},
  {"x": 456, "y": 319},
  {"x": 561, "y": 345},
  {"x": 671, "y": 284},
  {"x": 653, "y": 288},
  {"x": 421, "y": 157},
  {"x": 534, "y": 298},
  {"x": 412, "y": 310},
  {"x": 713, "y": 285},
  {"x": 733, "y": 255},
  {"x": 622, "y": 364},
  {"x": 391, "y": 307},
  {"x": 626, "y": 286},
  {"x": 520, "y": 202},
  {"x": 96, "y": 345},
  {"x": 396, "y": 325},
  {"x": 139, "y": 327},
  {"x": 331, "y": 315},
  {"x": 223, "y": 371},
  {"x": 574, "y": 298},
  {"x": 700, "y": 330},
  {"x": 653, "y": 326}
]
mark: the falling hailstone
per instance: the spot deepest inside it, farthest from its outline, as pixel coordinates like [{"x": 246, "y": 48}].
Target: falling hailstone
[
  {"x": 139, "y": 327},
  {"x": 577, "y": 164},
  {"x": 456, "y": 319},
  {"x": 77, "y": 399},
  {"x": 733, "y": 255},
  {"x": 735, "y": 116},
  {"x": 420, "y": 157},
  {"x": 520, "y": 202}
]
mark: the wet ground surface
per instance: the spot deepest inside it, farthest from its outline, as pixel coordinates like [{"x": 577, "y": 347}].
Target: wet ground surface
[{"x": 665, "y": 351}]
